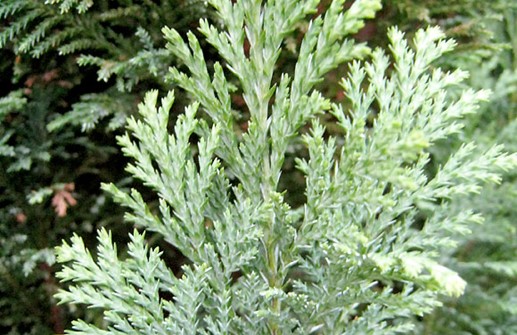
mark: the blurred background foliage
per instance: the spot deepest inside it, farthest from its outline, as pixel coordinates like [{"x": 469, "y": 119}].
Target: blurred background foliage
[{"x": 71, "y": 71}]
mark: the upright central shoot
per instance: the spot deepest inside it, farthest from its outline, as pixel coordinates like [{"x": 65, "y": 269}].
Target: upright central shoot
[
  {"x": 255, "y": 160},
  {"x": 359, "y": 256}
]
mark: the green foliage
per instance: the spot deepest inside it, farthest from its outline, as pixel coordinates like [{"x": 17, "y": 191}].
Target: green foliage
[
  {"x": 112, "y": 36},
  {"x": 57, "y": 127},
  {"x": 94, "y": 107},
  {"x": 467, "y": 21},
  {"x": 17, "y": 266},
  {"x": 296, "y": 214},
  {"x": 13, "y": 101},
  {"x": 35, "y": 168},
  {"x": 431, "y": 10},
  {"x": 361, "y": 255},
  {"x": 486, "y": 258}
]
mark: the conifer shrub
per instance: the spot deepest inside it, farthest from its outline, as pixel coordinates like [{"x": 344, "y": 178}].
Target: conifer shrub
[{"x": 362, "y": 253}]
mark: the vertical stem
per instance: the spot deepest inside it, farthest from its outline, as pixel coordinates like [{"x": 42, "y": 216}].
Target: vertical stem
[
  {"x": 267, "y": 187},
  {"x": 260, "y": 48}
]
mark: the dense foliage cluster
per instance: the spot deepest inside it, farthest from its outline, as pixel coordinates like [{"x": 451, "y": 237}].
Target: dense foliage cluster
[{"x": 314, "y": 170}]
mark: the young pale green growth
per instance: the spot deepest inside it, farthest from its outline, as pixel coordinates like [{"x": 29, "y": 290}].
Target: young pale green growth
[{"x": 355, "y": 258}]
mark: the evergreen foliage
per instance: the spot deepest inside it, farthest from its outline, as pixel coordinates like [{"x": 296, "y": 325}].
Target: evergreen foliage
[
  {"x": 50, "y": 167},
  {"x": 361, "y": 255},
  {"x": 113, "y": 36},
  {"x": 38, "y": 171},
  {"x": 467, "y": 21},
  {"x": 486, "y": 258},
  {"x": 56, "y": 143}
]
